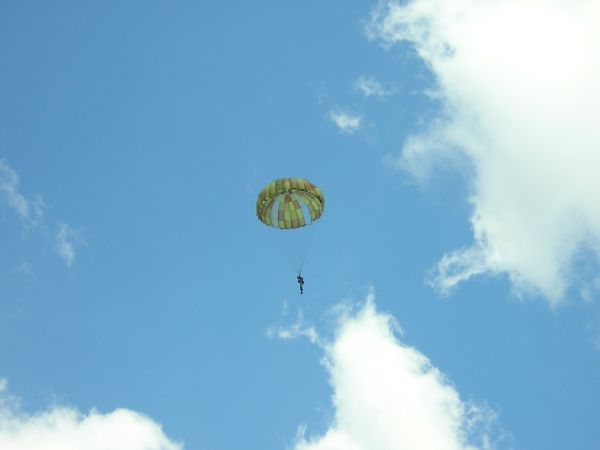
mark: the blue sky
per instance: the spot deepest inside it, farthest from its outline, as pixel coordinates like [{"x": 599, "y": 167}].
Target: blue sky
[{"x": 453, "y": 279}]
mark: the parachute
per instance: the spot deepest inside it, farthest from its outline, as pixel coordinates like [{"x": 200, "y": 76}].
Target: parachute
[{"x": 291, "y": 204}]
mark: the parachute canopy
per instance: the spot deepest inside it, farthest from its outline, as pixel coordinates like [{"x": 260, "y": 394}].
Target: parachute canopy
[{"x": 289, "y": 203}]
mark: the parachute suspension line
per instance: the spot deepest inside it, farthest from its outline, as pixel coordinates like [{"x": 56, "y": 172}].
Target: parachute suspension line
[
  {"x": 295, "y": 248},
  {"x": 311, "y": 233},
  {"x": 310, "y": 241},
  {"x": 286, "y": 254}
]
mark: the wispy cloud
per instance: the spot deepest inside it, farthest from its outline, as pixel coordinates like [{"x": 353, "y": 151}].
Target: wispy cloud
[
  {"x": 520, "y": 104},
  {"x": 66, "y": 241},
  {"x": 388, "y": 396},
  {"x": 370, "y": 87},
  {"x": 28, "y": 210},
  {"x": 298, "y": 329},
  {"x": 65, "y": 428},
  {"x": 596, "y": 343},
  {"x": 31, "y": 212},
  {"x": 346, "y": 122},
  {"x": 24, "y": 269}
]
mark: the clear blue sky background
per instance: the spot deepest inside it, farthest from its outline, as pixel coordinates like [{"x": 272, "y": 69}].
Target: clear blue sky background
[{"x": 149, "y": 129}]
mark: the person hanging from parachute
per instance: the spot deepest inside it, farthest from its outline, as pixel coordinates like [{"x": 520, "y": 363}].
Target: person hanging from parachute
[
  {"x": 300, "y": 282},
  {"x": 288, "y": 204}
]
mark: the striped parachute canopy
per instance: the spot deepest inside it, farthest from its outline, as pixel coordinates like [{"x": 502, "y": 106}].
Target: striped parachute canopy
[{"x": 289, "y": 203}]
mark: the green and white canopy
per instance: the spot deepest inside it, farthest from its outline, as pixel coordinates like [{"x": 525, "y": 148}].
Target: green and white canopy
[{"x": 289, "y": 203}]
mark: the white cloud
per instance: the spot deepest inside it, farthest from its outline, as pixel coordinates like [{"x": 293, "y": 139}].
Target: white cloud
[
  {"x": 370, "y": 87},
  {"x": 346, "y": 122},
  {"x": 66, "y": 240},
  {"x": 294, "y": 331},
  {"x": 388, "y": 396},
  {"x": 28, "y": 210},
  {"x": 31, "y": 213},
  {"x": 64, "y": 428},
  {"x": 517, "y": 81}
]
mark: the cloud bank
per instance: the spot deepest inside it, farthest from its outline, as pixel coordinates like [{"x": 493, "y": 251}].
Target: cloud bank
[
  {"x": 63, "y": 428},
  {"x": 388, "y": 396},
  {"x": 517, "y": 81}
]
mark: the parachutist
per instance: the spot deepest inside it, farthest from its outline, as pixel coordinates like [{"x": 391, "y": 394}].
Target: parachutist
[
  {"x": 300, "y": 282},
  {"x": 289, "y": 204}
]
